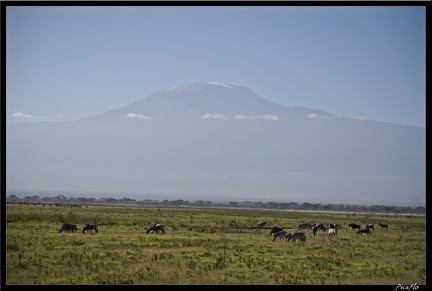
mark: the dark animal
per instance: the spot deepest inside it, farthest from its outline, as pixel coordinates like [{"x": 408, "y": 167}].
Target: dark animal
[
  {"x": 314, "y": 229},
  {"x": 292, "y": 237},
  {"x": 262, "y": 223},
  {"x": 89, "y": 226},
  {"x": 155, "y": 227},
  {"x": 333, "y": 225},
  {"x": 383, "y": 226},
  {"x": 281, "y": 235},
  {"x": 371, "y": 226},
  {"x": 305, "y": 226},
  {"x": 321, "y": 226},
  {"x": 332, "y": 232},
  {"x": 354, "y": 226},
  {"x": 363, "y": 230},
  {"x": 68, "y": 227},
  {"x": 275, "y": 229}
]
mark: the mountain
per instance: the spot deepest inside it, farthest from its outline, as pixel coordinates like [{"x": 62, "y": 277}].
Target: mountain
[
  {"x": 194, "y": 101},
  {"x": 218, "y": 141}
]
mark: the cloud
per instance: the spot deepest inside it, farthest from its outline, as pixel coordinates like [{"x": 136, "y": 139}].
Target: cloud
[
  {"x": 271, "y": 117},
  {"x": 138, "y": 116},
  {"x": 314, "y": 115},
  {"x": 214, "y": 116},
  {"x": 60, "y": 115},
  {"x": 21, "y": 115}
]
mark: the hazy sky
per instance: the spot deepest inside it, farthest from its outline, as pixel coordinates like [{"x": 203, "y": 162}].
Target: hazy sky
[{"x": 67, "y": 63}]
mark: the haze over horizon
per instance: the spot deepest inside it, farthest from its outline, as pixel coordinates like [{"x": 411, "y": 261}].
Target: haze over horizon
[{"x": 215, "y": 141}]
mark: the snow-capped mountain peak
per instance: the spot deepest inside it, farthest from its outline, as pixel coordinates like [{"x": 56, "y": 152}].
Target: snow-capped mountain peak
[
  {"x": 225, "y": 85},
  {"x": 177, "y": 88},
  {"x": 198, "y": 99}
]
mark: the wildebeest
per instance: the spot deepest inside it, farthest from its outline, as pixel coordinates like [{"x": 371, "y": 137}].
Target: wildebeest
[
  {"x": 383, "y": 226},
  {"x": 68, "y": 227},
  {"x": 314, "y": 229},
  {"x": 332, "y": 232},
  {"x": 363, "y": 230},
  {"x": 262, "y": 223},
  {"x": 155, "y": 227},
  {"x": 321, "y": 226},
  {"x": 354, "y": 226},
  {"x": 281, "y": 235},
  {"x": 89, "y": 226},
  {"x": 292, "y": 237},
  {"x": 371, "y": 226},
  {"x": 275, "y": 229},
  {"x": 305, "y": 226}
]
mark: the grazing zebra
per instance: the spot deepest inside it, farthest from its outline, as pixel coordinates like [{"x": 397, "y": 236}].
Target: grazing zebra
[
  {"x": 90, "y": 227},
  {"x": 262, "y": 223},
  {"x": 281, "y": 235},
  {"x": 275, "y": 230},
  {"x": 383, "y": 226},
  {"x": 67, "y": 227},
  {"x": 333, "y": 225},
  {"x": 332, "y": 232},
  {"x": 321, "y": 226},
  {"x": 292, "y": 237},
  {"x": 363, "y": 230},
  {"x": 371, "y": 226},
  {"x": 155, "y": 227}
]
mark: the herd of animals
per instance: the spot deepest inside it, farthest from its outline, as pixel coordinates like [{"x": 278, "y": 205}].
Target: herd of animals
[
  {"x": 276, "y": 232},
  {"x": 279, "y": 232},
  {"x": 71, "y": 228},
  {"x": 68, "y": 227}
]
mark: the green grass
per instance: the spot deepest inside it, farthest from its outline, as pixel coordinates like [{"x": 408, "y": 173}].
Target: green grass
[{"x": 207, "y": 246}]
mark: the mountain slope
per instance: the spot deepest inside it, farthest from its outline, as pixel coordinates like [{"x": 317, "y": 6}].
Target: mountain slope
[{"x": 194, "y": 101}]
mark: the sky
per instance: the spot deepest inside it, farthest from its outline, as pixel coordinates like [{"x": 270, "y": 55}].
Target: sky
[{"x": 70, "y": 62}]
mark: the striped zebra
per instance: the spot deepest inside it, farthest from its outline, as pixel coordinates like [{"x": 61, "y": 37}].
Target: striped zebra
[
  {"x": 292, "y": 237},
  {"x": 332, "y": 232},
  {"x": 281, "y": 235}
]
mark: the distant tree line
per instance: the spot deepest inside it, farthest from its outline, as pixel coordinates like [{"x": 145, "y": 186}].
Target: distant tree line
[{"x": 62, "y": 200}]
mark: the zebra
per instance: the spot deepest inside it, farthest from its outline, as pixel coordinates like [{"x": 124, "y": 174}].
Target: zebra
[
  {"x": 281, "y": 235},
  {"x": 364, "y": 230},
  {"x": 262, "y": 223},
  {"x": 371, "y": 226},
  {"x": 332, "y": 232},
  {"x": 383, "y": 226},
  {"x": 155, "y": 227},
  {"x": 292, "y": 237},
  {"x": 333, "y": 225}
]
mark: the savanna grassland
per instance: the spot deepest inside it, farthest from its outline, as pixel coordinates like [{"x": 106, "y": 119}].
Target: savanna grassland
[{"x": 207, "y": 246}]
